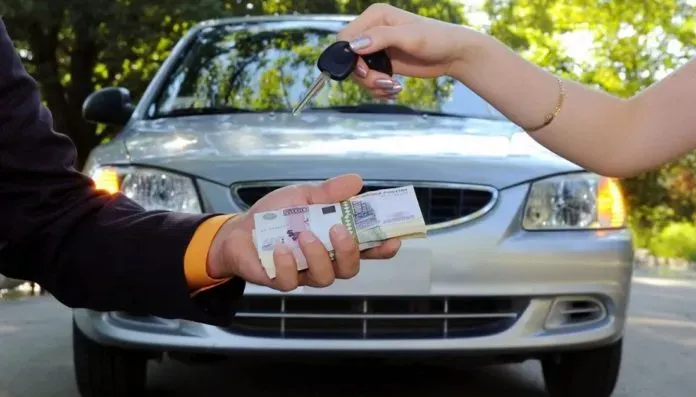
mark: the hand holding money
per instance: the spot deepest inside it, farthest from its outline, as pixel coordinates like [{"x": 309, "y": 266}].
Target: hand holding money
[
  {"x": 371, "y": 218},
  {"x": 233, "y": 253}
]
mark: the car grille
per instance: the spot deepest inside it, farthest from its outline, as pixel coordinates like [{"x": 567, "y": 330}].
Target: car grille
[
  {"x": 354, "y": 317},
  {"x": 439, "y": 203}
]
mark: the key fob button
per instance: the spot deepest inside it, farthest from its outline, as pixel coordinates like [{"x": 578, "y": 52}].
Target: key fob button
[
  {"x": 342, "y": 53},
  {"x": 337, "y": 61}
]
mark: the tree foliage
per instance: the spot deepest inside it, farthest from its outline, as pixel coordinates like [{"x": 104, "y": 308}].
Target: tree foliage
[{"x": 633, "y": 45}]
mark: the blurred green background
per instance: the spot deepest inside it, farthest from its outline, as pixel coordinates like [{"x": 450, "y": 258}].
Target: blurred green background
[{"x": 73, "y": 47}]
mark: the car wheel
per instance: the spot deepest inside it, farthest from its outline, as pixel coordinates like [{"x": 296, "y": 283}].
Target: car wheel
[
  {"x": 583, "y": 373},
  {"x": 104, "y": 371}
]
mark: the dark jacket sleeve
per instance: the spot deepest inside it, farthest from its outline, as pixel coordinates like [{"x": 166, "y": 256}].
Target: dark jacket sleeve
[{"x": 88, "y": 248}]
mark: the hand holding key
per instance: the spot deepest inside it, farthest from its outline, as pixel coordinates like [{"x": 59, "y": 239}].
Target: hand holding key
[
  {"x": 338, "y": 62},
  {"x": 417, "y": 46}
]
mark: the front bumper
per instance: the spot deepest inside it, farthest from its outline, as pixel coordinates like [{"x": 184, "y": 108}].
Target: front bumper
[
  {"x": 486, "y": 258},
  {"x": 527, "y": 335}
]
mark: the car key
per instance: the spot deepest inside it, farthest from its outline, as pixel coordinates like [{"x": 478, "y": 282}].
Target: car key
[{"x": 337, "y": 62}]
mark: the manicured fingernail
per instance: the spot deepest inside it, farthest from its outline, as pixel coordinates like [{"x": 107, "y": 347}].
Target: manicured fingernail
[
  {"x": 340, "y": 231},
  {"x": 395, "y": 89},
  {"x": 307, "y": 237},
  {"x": 359, "y": 43},
  {"x": 384, "y": 83},
  {"x": 361, "y": 71}
]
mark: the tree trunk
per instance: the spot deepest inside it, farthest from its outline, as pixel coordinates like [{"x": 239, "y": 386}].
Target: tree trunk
[
  {"x": 66, "y": 103},
  {"x": 83, "y": 59}
]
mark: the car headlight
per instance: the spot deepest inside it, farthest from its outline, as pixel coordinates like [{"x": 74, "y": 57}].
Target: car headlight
[
  {"x": 575, "y": 201},
  {"x": 151, "y": 188}
]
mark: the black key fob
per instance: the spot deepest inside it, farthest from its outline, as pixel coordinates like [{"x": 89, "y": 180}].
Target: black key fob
[
  {"x": 379, "y": 61},
  {"x": 338, "y": 61}
]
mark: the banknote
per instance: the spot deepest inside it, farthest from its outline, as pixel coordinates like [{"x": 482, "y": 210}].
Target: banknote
[{"x": 371, "y": 218}]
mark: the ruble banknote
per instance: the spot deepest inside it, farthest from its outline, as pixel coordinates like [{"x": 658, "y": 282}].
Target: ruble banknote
[{"x": 371, "y": 218}]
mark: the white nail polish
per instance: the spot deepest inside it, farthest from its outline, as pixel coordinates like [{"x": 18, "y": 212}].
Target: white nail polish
[{"x": 359, "y": 43}]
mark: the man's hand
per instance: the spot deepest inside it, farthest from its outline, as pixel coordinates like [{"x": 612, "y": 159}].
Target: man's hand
[{"x": 233, "y": 253}]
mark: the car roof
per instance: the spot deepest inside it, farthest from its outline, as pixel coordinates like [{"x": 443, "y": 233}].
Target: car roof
[{"x": 275, "y": 18}]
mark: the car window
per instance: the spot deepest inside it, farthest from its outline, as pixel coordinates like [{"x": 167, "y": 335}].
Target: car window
[{"x": 264, "y": 66}]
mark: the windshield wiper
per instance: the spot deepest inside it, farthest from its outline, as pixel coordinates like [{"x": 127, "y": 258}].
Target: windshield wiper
[
  {"x": 383, "y": 108},
  {"x": 204, "y": 111},
  {"x": 371, "y": 108}
]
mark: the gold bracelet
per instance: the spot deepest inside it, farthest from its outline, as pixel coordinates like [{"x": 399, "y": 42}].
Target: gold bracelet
[{"x": 549, "y": 117}]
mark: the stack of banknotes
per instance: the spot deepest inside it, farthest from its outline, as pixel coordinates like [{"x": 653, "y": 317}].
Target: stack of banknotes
[{"x": 371, "y": 217}]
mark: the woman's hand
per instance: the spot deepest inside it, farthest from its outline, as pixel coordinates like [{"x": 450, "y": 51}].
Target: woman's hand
[
  {"x": 602, "y": 133},
  {"x": 418, "y": 46}
]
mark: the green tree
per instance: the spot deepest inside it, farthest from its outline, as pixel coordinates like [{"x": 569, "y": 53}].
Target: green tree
[
  {"x": 73, "y": 47},
  {"x": 635, "y": 43}
]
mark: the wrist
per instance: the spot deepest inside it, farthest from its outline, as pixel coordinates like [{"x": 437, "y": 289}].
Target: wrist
[
  {"x": 216, "y": 267},
  {"x": 471, "y": 48}
]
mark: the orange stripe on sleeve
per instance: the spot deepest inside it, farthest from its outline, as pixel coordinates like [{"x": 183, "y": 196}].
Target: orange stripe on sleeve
[{"x": 196, "y": 256}]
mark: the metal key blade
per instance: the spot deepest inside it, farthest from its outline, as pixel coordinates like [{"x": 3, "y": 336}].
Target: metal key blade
[{"x": 314, "y": 89}]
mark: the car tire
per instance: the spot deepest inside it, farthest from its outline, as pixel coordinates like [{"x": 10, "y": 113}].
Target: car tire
[
  {"x": 583, "y": 373},
  {"x": 104, "y": 371}
]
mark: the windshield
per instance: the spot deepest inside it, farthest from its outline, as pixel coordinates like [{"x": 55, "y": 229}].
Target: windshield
[{"x": 268, "y": 66}]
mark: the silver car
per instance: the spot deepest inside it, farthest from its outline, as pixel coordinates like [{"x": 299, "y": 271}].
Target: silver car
[{"x": 527, "y": 255}]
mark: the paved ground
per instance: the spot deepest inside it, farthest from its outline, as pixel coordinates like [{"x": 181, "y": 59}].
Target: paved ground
[{"x": 660, "y": 357}]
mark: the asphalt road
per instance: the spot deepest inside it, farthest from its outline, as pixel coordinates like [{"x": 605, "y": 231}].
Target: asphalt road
[{"x": 659, "y": 360}]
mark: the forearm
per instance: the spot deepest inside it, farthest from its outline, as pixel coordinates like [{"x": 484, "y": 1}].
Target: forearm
[
  {"x": 105, "y": 253},
  {"x": 102, "y": 252},
  {"x": 593, "y": 129}
]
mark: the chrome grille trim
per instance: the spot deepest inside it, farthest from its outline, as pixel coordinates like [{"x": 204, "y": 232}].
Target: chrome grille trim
[
  {"x": 582, "y": 311},
  {"x": 365, "y": 308},
  {"x": 282, "y": 320},
  {"x": 445, "y": 325},
  {"x": 576, "y": 311},
  {"x": 234, "y": 188},
  {"x": 367, "y": 316},
  {"x": 376, "y": 317}
]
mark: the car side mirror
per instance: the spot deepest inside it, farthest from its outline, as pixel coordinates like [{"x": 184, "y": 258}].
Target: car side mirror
[{"x": 111, "y": 105}]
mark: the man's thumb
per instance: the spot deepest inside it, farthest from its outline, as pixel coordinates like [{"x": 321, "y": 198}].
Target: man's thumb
[{"x": 336, "y": 189}]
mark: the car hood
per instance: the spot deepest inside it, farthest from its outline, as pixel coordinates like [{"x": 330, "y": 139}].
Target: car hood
[{"x": 316, "y": 145}]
